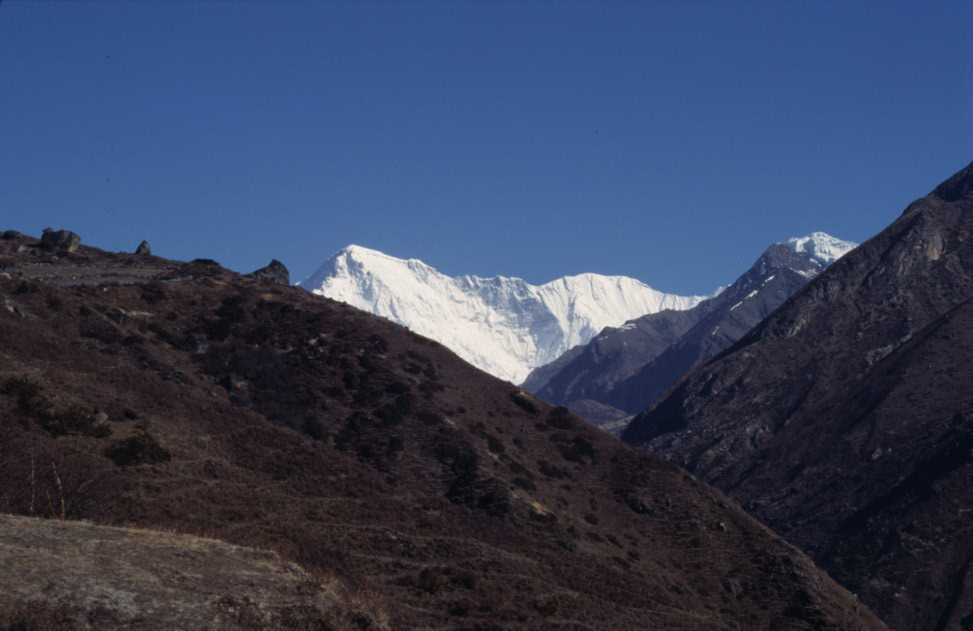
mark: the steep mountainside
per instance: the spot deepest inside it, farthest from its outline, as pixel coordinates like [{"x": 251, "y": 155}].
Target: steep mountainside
[
  {"x": 845, "y": 420},
  {"x": 628, "y": 368},
  {"x": 144, "y": 392},
  {"x": 504, "y": 326}
]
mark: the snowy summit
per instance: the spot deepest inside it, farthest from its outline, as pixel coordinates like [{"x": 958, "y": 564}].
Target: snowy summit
[
  {"x": 504, "y": 326},
  {"x": 821, "y": 247}
]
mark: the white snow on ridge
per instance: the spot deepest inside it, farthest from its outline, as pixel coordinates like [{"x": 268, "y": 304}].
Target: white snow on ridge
[
  {"x": 504, "y": 326},
  {"x": 821, "y": 246}
]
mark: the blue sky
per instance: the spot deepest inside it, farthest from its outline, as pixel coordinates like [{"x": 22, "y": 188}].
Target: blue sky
[{"x": 670, "y": 141}]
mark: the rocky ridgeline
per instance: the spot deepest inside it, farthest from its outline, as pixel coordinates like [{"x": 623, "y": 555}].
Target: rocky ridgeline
[{"x": 39, "y": 259}]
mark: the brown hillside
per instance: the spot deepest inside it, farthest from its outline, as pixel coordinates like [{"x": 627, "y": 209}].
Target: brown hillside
[{"x": 139, "y": 391}]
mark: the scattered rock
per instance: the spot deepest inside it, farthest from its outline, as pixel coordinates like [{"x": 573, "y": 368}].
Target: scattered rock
[
  {"x": 144, "y": 249},
  {"x": 61, "y": 240},
  {"x": 14, "y": 308},
  {"x": 274, "y": 272}
]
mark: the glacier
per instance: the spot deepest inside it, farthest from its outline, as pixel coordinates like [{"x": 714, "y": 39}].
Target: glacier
[{"x": 504, "y": 326}]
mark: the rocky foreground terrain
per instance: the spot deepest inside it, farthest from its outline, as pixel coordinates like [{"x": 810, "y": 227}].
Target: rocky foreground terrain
[
  {"x": 185, "y": 398},
  {"x": 845, "y": 420},
  {"x": 72, "y": 575}
]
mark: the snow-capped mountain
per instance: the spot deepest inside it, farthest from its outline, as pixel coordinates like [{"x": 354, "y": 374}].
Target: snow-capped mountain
[
  {"x": 821, "y": 248},
  {"x": 625, "y": 369},
  {"x": 505, "y": 326}
]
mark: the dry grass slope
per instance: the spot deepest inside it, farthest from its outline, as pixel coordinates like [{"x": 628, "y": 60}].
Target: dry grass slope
[{"x": 72, "y": 575}]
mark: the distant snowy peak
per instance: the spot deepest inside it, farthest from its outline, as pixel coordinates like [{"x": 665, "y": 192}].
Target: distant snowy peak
[
  {"x": 626, "y": 368},
  {"x": 821, "y": 247},
  {"x": 505, "y": 326},
  {"x": 356, "y": 257}
]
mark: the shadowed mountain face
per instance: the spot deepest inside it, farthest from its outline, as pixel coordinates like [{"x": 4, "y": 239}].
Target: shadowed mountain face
[
  {"x": 140, "y": 391},
  {"x": 845, "y": 420},
  {"x": 590, "y": 373},
  {"x": 630, "y": 367}
]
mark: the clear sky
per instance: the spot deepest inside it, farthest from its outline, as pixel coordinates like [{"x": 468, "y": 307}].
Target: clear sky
[{"x": 670, "y": 141}]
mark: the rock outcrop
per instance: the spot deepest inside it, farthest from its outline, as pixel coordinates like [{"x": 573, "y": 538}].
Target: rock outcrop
[
  {"x": 274, "y": 272},
  {"x": 60, "y": 240}
]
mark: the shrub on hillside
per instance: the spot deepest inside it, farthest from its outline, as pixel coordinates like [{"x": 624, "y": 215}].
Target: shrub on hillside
[
  {"x": 524, "y": 402},
  {"x": 29, "y": 395},
  {"x": 561, "y": 418},
  {"x": 142, "y": 448},
  {"x": 33, "y": 404},
  {"x": 75, "y": 419}
]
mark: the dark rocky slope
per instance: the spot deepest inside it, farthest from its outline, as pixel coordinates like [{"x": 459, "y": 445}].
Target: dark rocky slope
[
  {"x": 845, "y": 420},
  {"x": 630, "y": 367},
  {"x": 140, "y": 391},
  {"x": 588, "y": 374}
]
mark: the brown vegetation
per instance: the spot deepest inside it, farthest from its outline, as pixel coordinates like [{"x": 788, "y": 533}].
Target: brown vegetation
[
  {"x": 65, "y": 576},
  {"x": 258, "y": 414}
]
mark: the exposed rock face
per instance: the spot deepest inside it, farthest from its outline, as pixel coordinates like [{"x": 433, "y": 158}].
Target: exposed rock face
[
  {"x": 144, "y": 249},
  {"x": 629, "y": 367},
  {"x": 845, "y": 420},
  {"x": 68, "y": 575},
  {"x": 272, "y": 418},
  {"x": 274, "y": 272},
  {"x": 60, "y": 240},
  {"x": 11, "y": 234}
]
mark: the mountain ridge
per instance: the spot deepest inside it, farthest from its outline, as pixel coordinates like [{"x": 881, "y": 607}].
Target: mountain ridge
[
  {"x": 628, "y": 367},
  {"x": 845, "y": 419},
  {"x": 501, "y": 324}
]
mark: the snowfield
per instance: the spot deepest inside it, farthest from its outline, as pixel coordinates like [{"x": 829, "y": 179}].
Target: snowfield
[{"x": 504, "y": 326}]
